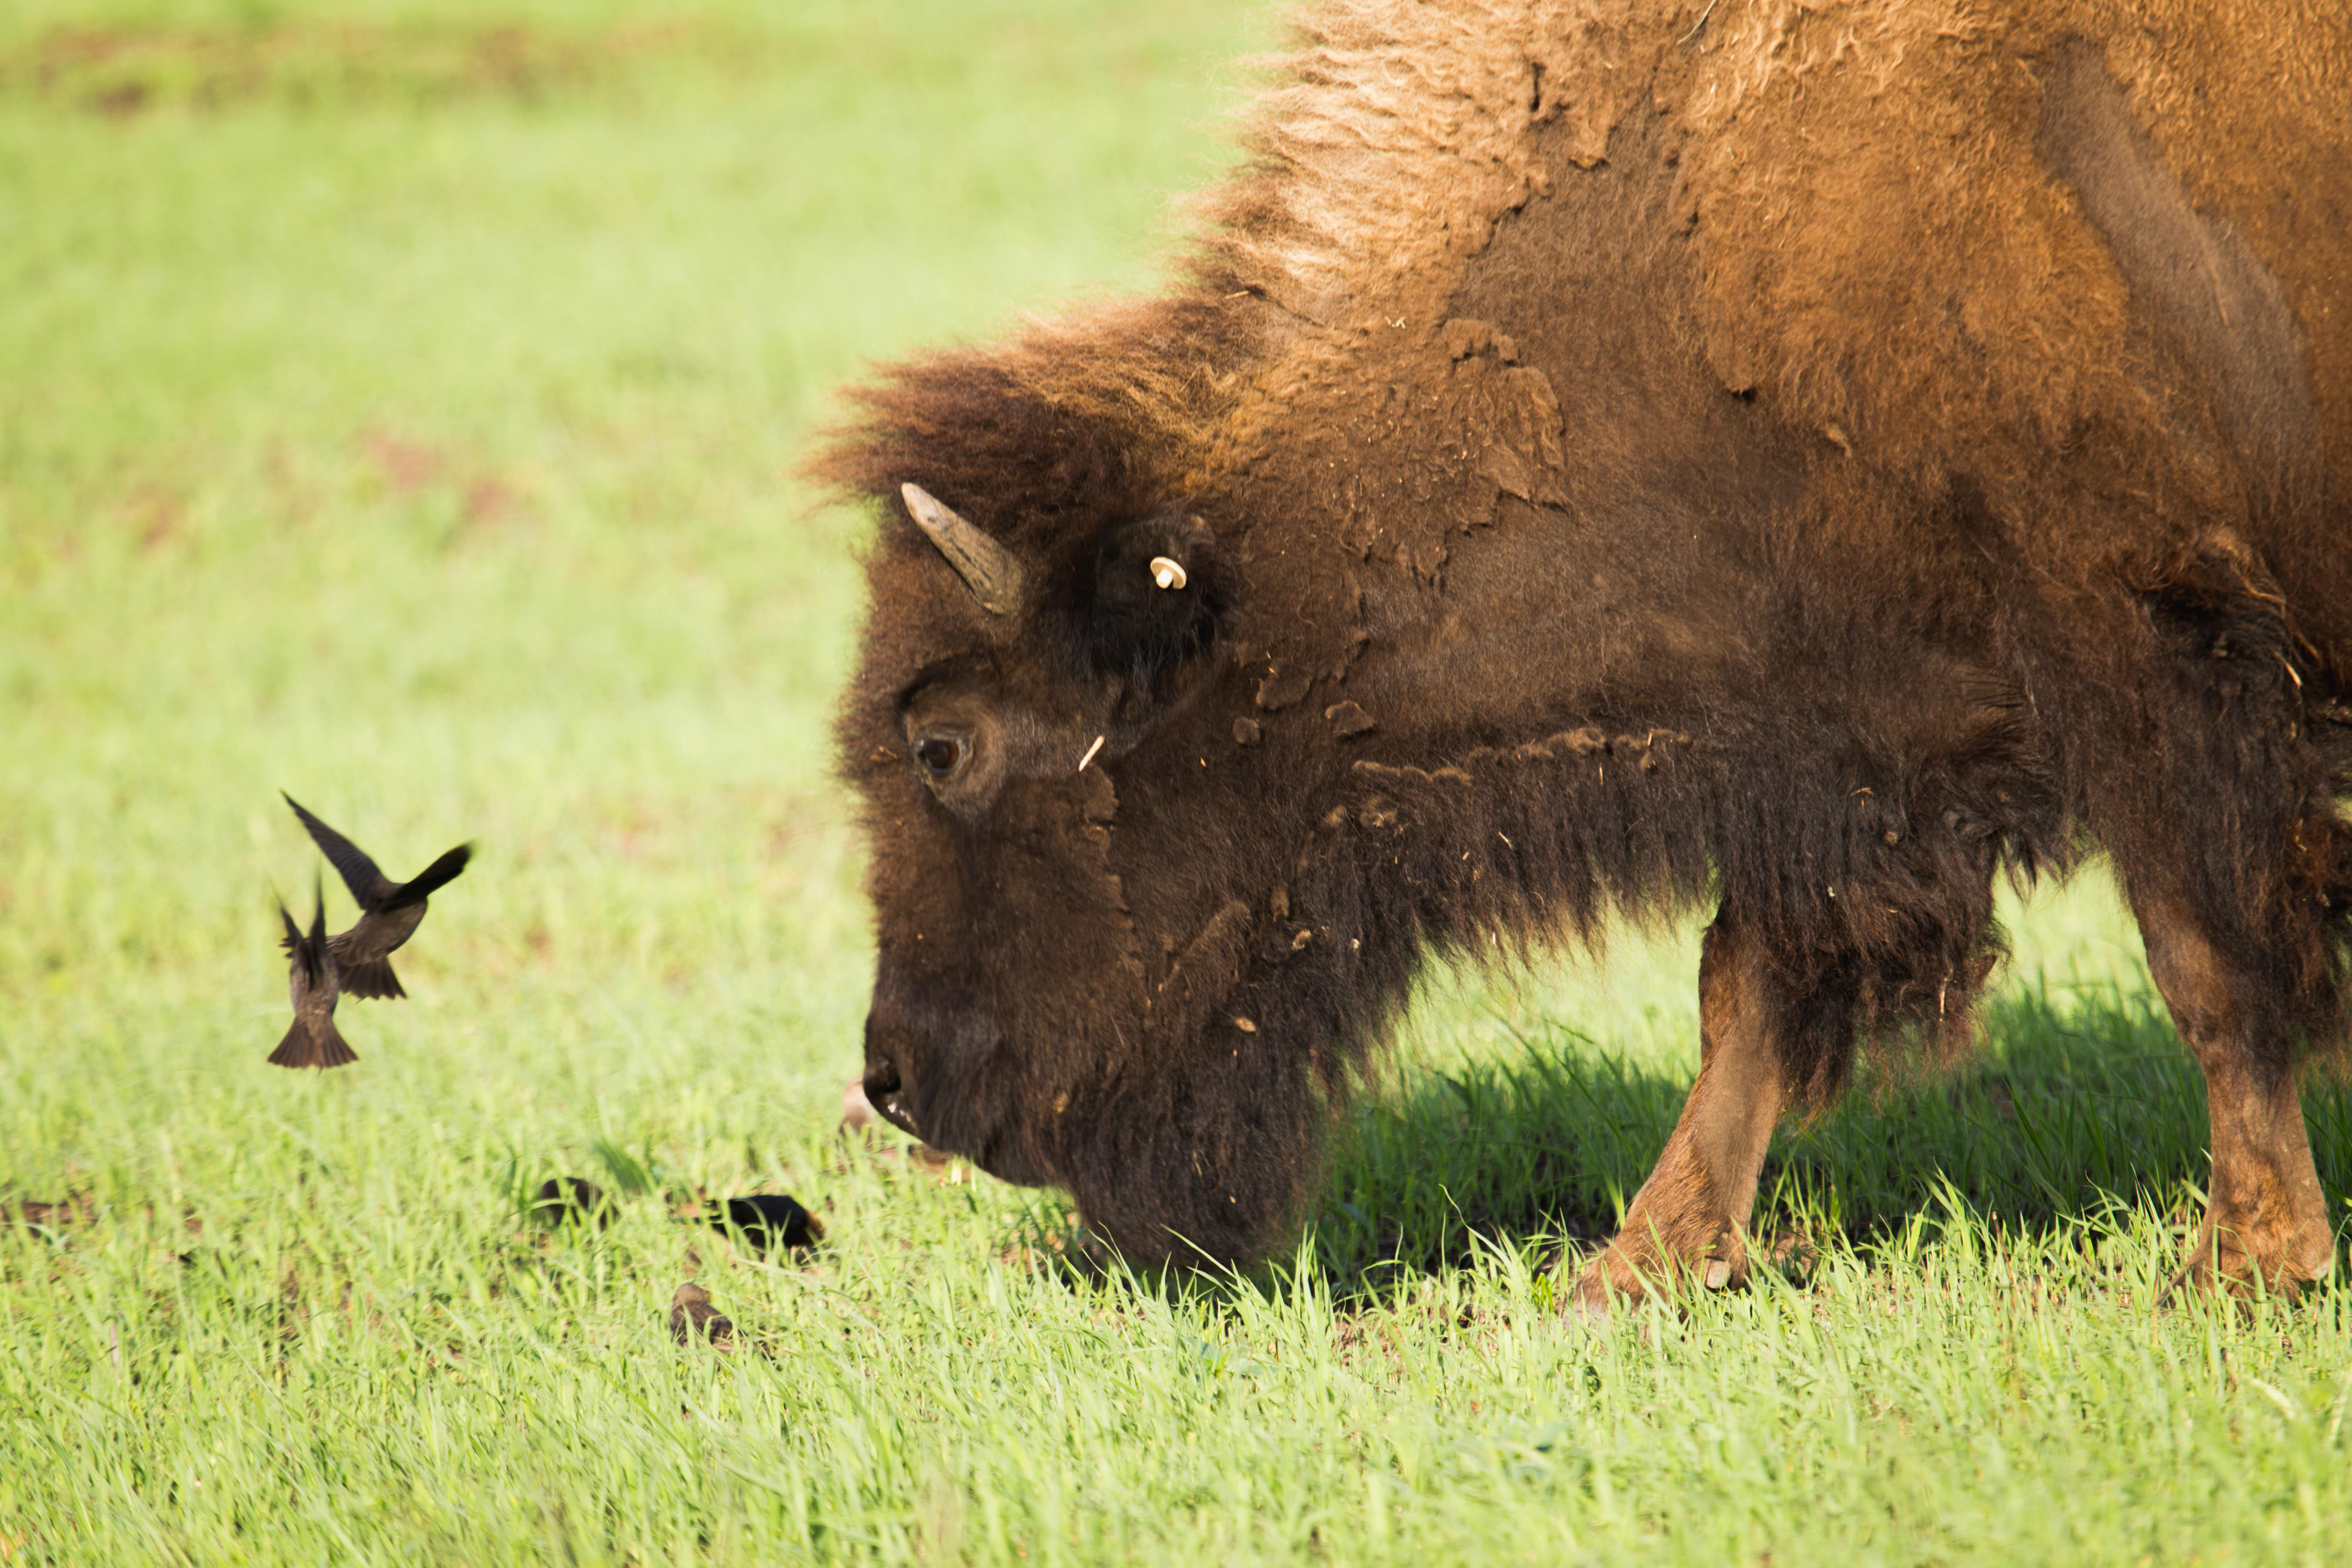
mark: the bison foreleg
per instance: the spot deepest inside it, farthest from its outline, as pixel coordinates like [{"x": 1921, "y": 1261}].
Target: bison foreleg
[
  {"x": 1691, "y": 1217},
  {"x": 2265, "y": 1215}
]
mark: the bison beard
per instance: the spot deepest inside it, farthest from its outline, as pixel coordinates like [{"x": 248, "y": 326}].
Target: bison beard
[{"x": 1587, "y": 475}]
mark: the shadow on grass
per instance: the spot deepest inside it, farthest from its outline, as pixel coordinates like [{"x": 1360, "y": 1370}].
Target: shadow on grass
[{"x": 2078, "y": 1100}]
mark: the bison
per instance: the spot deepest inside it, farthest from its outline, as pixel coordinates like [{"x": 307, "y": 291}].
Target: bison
[{"x": 1606, "y": 458}]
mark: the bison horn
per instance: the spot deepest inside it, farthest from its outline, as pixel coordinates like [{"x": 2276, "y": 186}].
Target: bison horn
[{"x": 987, "y": 567}]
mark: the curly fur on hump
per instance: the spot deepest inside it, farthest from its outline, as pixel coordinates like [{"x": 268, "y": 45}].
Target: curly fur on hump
[
  {"x": 1395, "y": 134},
  {"x": 1801, "y": 455}
]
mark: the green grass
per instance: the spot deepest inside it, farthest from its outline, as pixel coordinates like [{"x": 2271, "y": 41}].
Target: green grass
[{"x": 397, "y": 401}]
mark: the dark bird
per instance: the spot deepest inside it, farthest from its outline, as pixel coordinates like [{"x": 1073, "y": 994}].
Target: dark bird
[
  {"x": 389, "y": 910},
  {"x": 572, "y": 1198},
  {"x": 767, "y": 1220},
  {"x": 692, "y": 1317},
  {"x": 312, "y": 982}
]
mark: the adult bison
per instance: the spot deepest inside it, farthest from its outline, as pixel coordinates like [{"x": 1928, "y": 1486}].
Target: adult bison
[{"x": 1634, "y": 455}]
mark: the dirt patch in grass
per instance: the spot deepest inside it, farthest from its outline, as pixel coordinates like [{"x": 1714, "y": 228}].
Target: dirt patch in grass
[{"x": 126, "y": 71}]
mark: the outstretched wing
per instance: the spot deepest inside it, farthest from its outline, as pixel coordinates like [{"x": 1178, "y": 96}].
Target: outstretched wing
[
  {"x": 307, "y": 953},
  {"x": 432, "y": 878},
  {"x": 369, "y": 885}
]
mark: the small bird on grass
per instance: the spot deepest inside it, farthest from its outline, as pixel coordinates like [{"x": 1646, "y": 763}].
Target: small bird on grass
[
  {"x": 692, "y": 1317},
  {"x": 314, "y": 986},
  {"x": 390, "y": 911},
  {"x": 572, "y": 1198},
  {"x": 767, "y": 1220}
]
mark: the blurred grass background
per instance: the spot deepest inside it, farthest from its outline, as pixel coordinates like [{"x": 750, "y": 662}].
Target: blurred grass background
[{"x": 396, "y": 406}]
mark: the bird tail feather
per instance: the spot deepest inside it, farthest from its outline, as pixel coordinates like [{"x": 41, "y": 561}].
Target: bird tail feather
[
  {"x": 300, "y": 1048},
  {"x": 334, "y": 1050},
  {"x": 373, "y": 978},
  {"x": 297, "y": 1049}
]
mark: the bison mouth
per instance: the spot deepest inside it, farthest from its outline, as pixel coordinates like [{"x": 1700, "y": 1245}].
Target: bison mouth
[
  {"x": 883, "y": 1087},
  {"x": 955, "y": 1126}
]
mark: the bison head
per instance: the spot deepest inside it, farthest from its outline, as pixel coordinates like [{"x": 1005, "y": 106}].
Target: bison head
[{"x": 1069, "y": 866}]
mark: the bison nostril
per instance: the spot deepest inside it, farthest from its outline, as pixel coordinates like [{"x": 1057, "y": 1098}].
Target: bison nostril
[{"x": 886, "y": 1091}]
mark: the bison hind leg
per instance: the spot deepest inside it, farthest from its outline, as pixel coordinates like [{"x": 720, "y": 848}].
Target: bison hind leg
[
  {"x": 2266, "y": 1225},
  {"x": 2225, "y": 833}
]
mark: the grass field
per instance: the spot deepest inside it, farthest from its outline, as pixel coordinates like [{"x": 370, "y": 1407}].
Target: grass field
[{"x": 396, "y": 401}]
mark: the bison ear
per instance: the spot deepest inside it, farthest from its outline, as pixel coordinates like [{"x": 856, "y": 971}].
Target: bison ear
[{"x": 1160, "y": 591}]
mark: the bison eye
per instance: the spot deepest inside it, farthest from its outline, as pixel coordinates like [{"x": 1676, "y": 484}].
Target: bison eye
[{"x": 940, "y": 754}]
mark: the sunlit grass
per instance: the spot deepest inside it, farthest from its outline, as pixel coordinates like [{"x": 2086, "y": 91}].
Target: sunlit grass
[{"x": 417, "y": 441}]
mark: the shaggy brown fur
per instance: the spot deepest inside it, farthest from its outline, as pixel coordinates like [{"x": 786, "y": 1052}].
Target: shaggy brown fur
[{"x": 1627, "y": 457}]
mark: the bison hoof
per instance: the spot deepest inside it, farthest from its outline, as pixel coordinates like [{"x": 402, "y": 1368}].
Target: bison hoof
[
  {"x": 1613, "y": 1275},
  {"x": 1591, "y": 1297},
  {"x": 2221, "y": 1263}
]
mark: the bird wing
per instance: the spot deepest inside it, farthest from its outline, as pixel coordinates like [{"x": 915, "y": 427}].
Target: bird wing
[
  {"x": 431, "y": 880},
  {"x": 369, "y": 885},
  {"x": 307, "y": 953},
  {"x": 321, "y": 957}
]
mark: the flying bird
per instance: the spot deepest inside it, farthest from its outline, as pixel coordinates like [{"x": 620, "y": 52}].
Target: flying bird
[
  {"x": 311, "y": 981},
  {"x": 389, "y": 911}
]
